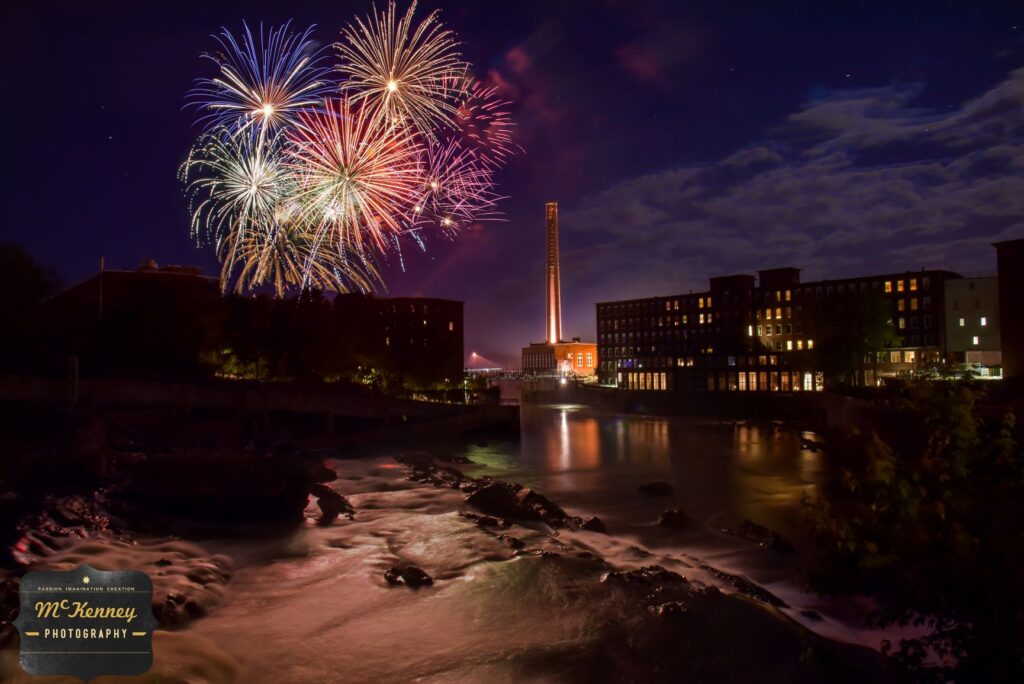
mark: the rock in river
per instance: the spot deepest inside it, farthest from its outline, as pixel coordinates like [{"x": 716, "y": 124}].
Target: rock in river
[
  {"x": 510, "y": 500},
  {"x": 331, "y": 504},
  {"x": 659, "y": 488},
  {"x": 409, "y": 575},
  {"x": 674, "y": 519}
]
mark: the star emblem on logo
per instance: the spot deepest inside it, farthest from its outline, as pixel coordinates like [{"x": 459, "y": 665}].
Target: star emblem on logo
[{"x": 85, "y": 580}]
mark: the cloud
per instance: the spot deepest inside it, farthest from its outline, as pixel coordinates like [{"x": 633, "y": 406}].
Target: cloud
[{"x": 855, "y": 182}]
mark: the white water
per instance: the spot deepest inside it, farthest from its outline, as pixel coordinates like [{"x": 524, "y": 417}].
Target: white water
[{"x": 315, "y": 607}]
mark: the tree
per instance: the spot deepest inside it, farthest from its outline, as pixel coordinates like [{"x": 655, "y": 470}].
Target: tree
[
  {"x": 855, "y": 327},
  {"x": 24, "y": 284},
  {"x": 928, "y": 524}
]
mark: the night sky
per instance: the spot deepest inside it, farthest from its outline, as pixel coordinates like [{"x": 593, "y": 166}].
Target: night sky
[{"x": 681, "y": 140}]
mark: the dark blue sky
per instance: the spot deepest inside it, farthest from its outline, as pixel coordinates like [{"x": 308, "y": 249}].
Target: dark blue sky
[{"x": 682, "y": 141}]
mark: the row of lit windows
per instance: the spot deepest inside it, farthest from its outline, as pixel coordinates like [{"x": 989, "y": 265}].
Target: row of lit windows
[
  {"x": 579, "y": 359},
  {"x": 983, "y": 322},
  {"x": 902, "y": 285},
  {"x": 651, "y": 306},
  {"x": 743, "y": 381},
  {"x": 643, "y": 381},
  {"x": 673, "y": 304},
  {"x": 661, "y": 321}
]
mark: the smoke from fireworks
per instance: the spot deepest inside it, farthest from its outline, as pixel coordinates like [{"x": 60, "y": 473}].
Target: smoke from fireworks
[{"x": 300, "y": 182}]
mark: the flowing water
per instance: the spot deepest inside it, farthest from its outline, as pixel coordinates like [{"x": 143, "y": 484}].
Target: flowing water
[{"x": 314, "y": 606}]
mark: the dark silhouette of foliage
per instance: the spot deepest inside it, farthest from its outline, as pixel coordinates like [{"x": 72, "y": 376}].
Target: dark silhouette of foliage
[
  {"x": 852, "y": 328},
  {"x": 928, "y": 524}
]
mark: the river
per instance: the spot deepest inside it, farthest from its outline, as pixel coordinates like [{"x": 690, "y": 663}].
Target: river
[{"x": 313, "y": 606}]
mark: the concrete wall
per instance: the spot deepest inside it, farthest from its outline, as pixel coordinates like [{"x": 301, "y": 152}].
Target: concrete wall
[{"x": 252, "y": 397}]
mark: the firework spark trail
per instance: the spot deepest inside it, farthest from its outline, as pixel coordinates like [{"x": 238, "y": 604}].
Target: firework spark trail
[
  {"x": 457, "y": 190},
  {"x": 355, "y": 174},
  {"x": 402, "y": 74},
  {"x": 264, "y": 81},
  {"x": 285, "y": 257},
  {"x": 485, "y": 123}
]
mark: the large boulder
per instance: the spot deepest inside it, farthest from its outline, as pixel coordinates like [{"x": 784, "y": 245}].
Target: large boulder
[
  {"x": 189, "y": 490},
  {"x": 515, "y": 502},
  {"x": 331, "y": 504}
]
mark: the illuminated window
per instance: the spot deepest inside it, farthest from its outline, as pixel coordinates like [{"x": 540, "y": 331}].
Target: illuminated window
[
  {"x": 974, "y": 340},
  {"x": 888, "y": 286},
  {"x": 913, "y": 284},
  {"x": 709, "y": 302},
  {"x": 590, "y": 359},
  {"x": 702, "y": 317},
  {"x": 789, "y": 345},
  {"x": 901, "y": 305},
  {"x": 913, "y": 304},
  {"x": 743, "y": 382},
  {"x": 899, "y": 286},
  {"x": 768, "y": 314},
  {"x": 789, "y": 295},
  {"x": 799, "y": 344},
  {"x": 984, "y": 321},
  {"x": 962, "y": 322},
  {"x": 750, "y": 331},
  {"x": 778, "y": 313},
  {"x": 810, "y": 344},
  {"x": 579, "y": 360},
  {"x": 909, "y": 356},
  {"x": 903, "y": 323},
  {"x": 700, "y": 303},
  {"x": 894, "y": 357},
  {"x": 758, "y": 331}
]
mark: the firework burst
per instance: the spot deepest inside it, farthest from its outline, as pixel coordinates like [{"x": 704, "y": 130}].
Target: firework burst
[
  {"x": 236, "y": 183},
  {"x": 355, "y": 174},
  {"x": 263, "y": 80},
  {"x": 402, "y": 73},
  {"x": 305, "y": 184}
]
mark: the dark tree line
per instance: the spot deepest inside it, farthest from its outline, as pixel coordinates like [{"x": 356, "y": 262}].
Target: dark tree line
[
  {"x": 928, "y": 522},
  {"x": 167, "y": 325}
]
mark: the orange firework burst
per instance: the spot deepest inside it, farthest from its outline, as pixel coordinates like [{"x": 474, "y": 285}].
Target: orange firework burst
[{"x": 355, "y": 175}]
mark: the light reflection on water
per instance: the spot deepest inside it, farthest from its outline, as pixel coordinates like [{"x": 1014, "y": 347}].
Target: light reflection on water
[{"x": 722, "y": 472}]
